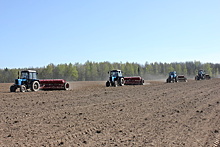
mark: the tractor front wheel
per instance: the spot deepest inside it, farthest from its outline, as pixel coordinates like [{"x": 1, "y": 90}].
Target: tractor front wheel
[
  {"x": 22, "y": 88},
  {"x": 116, "y": 83},
  {"x": 35, "y": 86}
]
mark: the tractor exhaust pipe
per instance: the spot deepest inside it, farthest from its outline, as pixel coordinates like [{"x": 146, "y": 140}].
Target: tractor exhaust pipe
[{"x": 18, "y": 75}]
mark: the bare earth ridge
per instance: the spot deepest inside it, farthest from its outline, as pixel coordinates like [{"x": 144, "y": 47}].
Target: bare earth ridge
[{"x": 90, "y": 114}]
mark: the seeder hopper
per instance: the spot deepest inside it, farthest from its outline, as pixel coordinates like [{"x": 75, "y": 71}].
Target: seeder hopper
[
  {"x": 54, "y": 84},
  {"x": 137, "y": 80},
  {"x": 181, "y": 78}
]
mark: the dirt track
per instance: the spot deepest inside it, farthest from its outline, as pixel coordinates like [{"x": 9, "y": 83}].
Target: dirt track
[{"x": 156, "y": 114}]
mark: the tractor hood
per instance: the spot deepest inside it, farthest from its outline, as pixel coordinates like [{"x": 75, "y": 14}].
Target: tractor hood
[{"x": 19, "y": 81}]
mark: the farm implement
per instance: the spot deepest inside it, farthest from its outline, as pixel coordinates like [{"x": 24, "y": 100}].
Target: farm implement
[
  {"x": 116, "y": 79},
  {"x": 181, "y": 78},
  {"x": 28, "y": 81},
  {"x": 134, "y": 80}
]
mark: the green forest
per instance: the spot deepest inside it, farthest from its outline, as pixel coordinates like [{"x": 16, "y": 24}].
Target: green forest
[{"x": 98, "y": 71}]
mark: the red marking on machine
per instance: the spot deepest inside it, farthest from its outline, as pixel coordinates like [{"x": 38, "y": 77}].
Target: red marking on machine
[{"x": 137, "y": 80}]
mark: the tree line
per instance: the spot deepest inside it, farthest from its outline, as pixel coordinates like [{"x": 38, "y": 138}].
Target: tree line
[{"x": 94, "y": 71}]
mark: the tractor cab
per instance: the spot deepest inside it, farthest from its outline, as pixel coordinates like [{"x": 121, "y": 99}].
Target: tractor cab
[
  {"x": 26, "y": 80},
  {"x": 116, "y": 73},
  {"x": 201, "y": 72},
  {"x": 29, "y": 74},
  {"x": 172, "y": 74},
  {"x": 26, "y": 77}
]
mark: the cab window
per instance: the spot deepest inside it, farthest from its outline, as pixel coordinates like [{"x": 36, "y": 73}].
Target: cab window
[{"x": 24, "y": 75}]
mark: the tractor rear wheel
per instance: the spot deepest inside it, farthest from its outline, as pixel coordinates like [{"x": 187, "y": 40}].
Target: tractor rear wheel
[
  {"x": 107, "y": 84},
  {"x": 122, "y": 82},
  {"x": 35, "y": 86},
  {"x": 22, "y": 88},
  {"x": 176, "y": 80}
]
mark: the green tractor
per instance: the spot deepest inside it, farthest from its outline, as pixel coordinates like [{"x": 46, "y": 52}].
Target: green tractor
[
  {"x": 27, "y": 80},
  {"x": 115, "y": 78}
]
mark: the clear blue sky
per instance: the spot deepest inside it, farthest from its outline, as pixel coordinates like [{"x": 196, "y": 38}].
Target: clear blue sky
[{"x": 34, "y": 33}]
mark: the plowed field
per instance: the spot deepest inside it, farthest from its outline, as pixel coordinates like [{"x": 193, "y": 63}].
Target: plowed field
[{"x": 90, "y": 114}]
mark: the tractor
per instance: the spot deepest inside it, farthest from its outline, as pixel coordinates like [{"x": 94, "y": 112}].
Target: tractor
[
  {"x": 202, "y": 75},
  {"x": 27, "y": 80},
  {"x": 172, "y": 77},
  {"x": 115, "y": 78}
]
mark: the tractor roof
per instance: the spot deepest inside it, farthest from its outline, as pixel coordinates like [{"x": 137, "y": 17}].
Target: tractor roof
[
  {"x": 116, "y": 70},
  {"x": 28, "y": 71}
]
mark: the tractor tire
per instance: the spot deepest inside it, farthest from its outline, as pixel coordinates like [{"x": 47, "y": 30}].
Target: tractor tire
[
  {"x": 122, "y": 82},
  {"x": 66, "y": 86},
  {"x": 22, "y": 88},
  {"x": 107, "y": 84},
  {"x": 12, "y": 88},
  {"x": 116, "y": 84},
  {"x": 197, "y": 78},
  {"x": 35, "y": 86},
  {"x": 176, "y": 79}
]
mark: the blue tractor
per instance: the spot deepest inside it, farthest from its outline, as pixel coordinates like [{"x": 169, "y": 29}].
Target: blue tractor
[
  {"x": 115, "y": 78},
  {"x": 172, "y": 77},
  {"x": 202, "y": 75},
  {"x": 27, "y": 80}
]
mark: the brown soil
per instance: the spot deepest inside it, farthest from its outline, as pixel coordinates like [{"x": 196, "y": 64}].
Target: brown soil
[{"x": 90, "y": 114}]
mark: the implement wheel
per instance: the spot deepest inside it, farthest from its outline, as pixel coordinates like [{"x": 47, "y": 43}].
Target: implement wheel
[
  {"x": 35, "y": 86},
  {"x": 142, "y": 82},
  {"x": 66, "y": 86}
]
